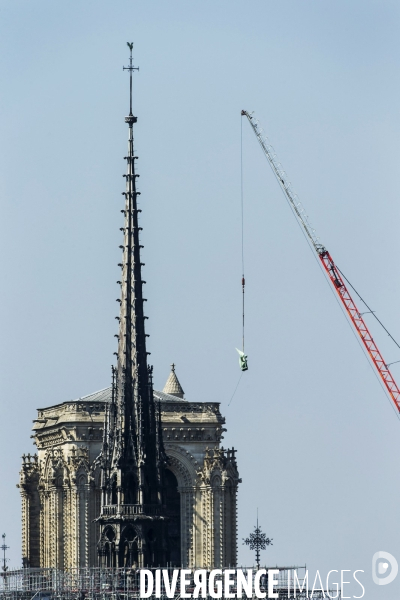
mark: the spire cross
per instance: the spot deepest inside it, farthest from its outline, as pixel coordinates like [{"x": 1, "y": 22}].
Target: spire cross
[
  {"x": 257, "y": 541},
  {"x": 131, "y": 68},
  {"x": 4, "y": 548}
]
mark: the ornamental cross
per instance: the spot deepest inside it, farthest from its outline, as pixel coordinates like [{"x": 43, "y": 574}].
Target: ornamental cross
[
  {"x": 131, "y": 68},
  {"x": 4, "y": 548},
  {"x": 257, "y": 541}
]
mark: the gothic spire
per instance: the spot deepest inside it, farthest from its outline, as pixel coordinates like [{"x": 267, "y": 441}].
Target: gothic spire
[
  {"x": 133, "y": 426},
  {"x": 132, "y": 372},
  {"x": 132, "y": 459}
]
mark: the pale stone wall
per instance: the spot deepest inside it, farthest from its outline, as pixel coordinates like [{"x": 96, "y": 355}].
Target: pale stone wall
[{"x": 60, "y": 487}]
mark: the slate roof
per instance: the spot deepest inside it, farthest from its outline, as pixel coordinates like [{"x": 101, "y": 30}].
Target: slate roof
[
  {"x": 105, "y": 396},
  {"x": 163, "y": 397}
]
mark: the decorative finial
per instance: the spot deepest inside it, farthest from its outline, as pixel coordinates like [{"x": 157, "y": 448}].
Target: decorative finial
[
  {"x": 4, "y": 548},
  {"x": 257, "y": 541},
  {"x": 131, "y": 68},
  {"x": 172, "y": 386}
]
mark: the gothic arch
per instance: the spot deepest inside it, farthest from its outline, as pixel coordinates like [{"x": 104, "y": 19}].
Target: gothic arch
[
  {"x": 54, "y": 468},
  {"x": 108, "y": 534},
  {"x": 81, "y": 474},
  {"x": 182, "y": 465},
  {"x": 107, "y": 547},
  {"x": 216, "y": 480},
  {"x": 82, "y": 479}
]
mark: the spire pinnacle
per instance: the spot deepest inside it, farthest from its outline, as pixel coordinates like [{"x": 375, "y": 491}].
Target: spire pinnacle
[
  {"x": 132, "y": 384},
  {"x": 131, "y": 68},
  {"x": 132, "y": 376}
]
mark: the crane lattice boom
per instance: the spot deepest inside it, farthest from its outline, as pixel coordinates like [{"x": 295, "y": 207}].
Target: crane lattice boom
[{"x": 328, "y": 264}]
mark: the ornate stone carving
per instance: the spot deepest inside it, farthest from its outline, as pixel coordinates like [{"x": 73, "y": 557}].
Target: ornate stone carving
[{"x": 60, "y": 488}]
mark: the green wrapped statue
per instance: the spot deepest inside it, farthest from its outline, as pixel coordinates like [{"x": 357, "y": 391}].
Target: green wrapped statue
[{"x": 242, "y": 360}]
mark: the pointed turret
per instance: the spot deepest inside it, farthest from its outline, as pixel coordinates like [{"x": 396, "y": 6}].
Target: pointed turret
[
  {"x": 172, "y": 386},
  {"x": 132, "y": 459}
]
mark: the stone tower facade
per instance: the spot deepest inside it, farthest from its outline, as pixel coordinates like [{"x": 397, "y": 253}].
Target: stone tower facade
[
  {"x": 128, "y": 476},
  {"x": 61, "y": 485}
]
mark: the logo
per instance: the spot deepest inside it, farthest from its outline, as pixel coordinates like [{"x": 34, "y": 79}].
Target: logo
[{"x": 384, "y": 568}]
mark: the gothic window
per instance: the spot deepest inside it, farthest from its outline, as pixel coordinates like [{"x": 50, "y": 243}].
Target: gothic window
[
  {"x": 109, "y": 534},
  {"x": 108, "y": 547},
  {"x": 128, "y": 548},
  {"x": 130, "y": 489},
  {"x": 173, "y": 502},
  {"x": 216, "y": 481},
  {"x": 114, "y": 490}
]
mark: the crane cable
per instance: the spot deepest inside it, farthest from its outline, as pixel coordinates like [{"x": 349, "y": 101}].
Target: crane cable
[
  {"x": 369, "y": 309},
  {"x": 242, "y": 215},
  {"x": 242, "y": 356}
]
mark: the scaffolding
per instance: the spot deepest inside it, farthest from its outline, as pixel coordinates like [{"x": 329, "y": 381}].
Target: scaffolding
[{"x": 124, "y": 584}]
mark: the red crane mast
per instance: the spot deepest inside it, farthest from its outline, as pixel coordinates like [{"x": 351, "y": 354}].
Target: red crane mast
[{"x": 328, "y": 264}]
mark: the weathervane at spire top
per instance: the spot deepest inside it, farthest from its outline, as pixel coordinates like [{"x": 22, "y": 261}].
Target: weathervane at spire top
[{"x": 131, "y": 68}]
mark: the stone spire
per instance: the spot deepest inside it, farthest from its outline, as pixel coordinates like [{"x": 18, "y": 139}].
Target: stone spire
[
  {"x": 172, "y": 386},
  {"x": 133, "y": 378},
  {"x": 132, "y": 458}
]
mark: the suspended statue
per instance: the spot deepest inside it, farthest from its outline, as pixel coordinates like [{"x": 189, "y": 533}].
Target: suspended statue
[{"x": 242, "y": 360}]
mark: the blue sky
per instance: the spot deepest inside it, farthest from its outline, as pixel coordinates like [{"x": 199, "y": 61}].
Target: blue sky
[{"x": 318, "y": 442}]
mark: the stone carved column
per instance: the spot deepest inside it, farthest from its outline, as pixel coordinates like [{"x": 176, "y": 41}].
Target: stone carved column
[
  {"x": 186, "y": 498},
  {"x": 219, "y": 480},
  {"x": 29, "y": 489},
  {"x": 25, "y": 527}
]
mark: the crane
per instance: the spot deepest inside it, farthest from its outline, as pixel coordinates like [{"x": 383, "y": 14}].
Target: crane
[{"x": 333, "y": 272}]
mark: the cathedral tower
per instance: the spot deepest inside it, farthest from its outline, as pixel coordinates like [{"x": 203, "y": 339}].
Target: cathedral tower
[
  {"x": 129, "y": 475},
  {"x": 132, "y": 461}
]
